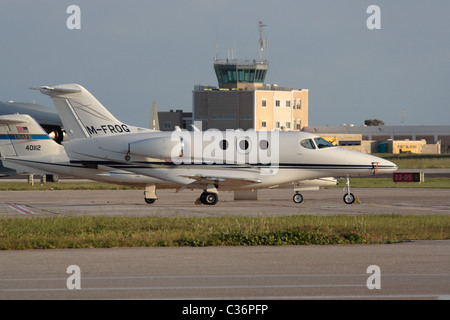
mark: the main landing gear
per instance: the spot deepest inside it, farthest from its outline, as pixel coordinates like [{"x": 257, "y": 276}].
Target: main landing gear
[
  {"x": 210, "y": 195},
  {"x": 209, "y": 198},
  {"x": 150, "y": 194}
]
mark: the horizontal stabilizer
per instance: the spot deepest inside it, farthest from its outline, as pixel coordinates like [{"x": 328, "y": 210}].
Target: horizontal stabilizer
[
  {"x": 12, "y": 119},
  {"x": 67, "y": 88}
]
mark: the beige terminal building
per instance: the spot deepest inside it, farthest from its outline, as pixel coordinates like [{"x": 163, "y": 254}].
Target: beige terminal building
[{"x": 243, "y": 101}]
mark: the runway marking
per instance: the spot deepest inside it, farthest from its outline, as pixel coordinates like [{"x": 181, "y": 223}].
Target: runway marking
[
  {"x": 161, "y": 289},
  {"x": 192, "y": 287},
  {"x": 320, "y": 297},
  {"x": 237, "y": 276},
  {"x": 19, "y": 209},
  {"x": 233, "y": 276},
  {"x": 411, "y": 296}
]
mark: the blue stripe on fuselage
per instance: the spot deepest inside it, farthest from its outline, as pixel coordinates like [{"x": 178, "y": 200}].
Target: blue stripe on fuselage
[{"x": 24, "y": 136}]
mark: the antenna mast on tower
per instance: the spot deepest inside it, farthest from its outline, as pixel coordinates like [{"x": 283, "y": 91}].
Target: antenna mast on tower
[{"x": 262, "y": 42}]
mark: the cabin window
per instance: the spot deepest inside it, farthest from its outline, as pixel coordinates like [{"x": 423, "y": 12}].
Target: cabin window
[
  {"x": 244, "y": 144},
  {"x": 223, "y": 144},
  {"x": 264, "y": 144}
]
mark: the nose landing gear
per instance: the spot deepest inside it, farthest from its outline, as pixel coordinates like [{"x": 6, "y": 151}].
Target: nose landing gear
[
  {"x": 298, "y": 198},
  {"x": 349, "y": 198}
]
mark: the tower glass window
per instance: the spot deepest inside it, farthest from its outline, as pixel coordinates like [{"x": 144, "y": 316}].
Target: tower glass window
[{"x": 231, "y": 72}]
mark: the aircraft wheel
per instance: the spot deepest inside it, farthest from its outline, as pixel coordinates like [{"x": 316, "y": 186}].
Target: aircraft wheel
[
  {"x": 349, "y": 198},
  {"x": 209, "y": 198},
  {"x": 298, "y": 198},
  {"x": 150, "y": 201}
]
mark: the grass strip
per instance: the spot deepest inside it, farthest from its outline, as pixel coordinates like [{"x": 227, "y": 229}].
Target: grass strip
[
  {"x": 436, "y": 183},
  {"x": 371, "y": 182},
  {"x": 108, "y": 232},
  {"x": 62, "y": 185},
  {"x": 418, "y": 161}
]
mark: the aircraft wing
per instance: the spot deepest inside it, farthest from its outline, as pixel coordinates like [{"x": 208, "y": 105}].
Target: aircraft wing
[{"x": 221, "y": 181}]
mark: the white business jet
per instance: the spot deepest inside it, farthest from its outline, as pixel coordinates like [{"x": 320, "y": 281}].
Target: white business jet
[
  {"x": 26, "y": 147},
  {"x": 212, "y": 160}
]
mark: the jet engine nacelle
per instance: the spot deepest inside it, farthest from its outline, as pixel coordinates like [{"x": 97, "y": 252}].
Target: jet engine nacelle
[{"x": 159, "y": 148}]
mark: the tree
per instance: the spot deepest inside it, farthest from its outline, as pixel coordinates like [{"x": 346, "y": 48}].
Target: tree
[{"x": 374, "y": 122}]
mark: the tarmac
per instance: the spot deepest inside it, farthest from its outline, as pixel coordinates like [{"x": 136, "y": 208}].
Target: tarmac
[
  {"x": 405, "y": 271},
  {"x": 277, "y": 202}
]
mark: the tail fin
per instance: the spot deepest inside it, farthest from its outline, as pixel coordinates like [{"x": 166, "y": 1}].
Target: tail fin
[
  {"x": 82, "y": 115},
  {"x": 21, "y": 137}
]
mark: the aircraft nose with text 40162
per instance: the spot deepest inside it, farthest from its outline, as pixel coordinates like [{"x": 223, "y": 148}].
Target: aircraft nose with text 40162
[{"x": 209, "y": 160}]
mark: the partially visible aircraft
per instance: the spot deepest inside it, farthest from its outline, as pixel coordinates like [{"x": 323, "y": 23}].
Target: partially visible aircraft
[
  {"x": 26, "y": 147},
  {"x": 223, "y": 160},
  {"x": 47, "y": 118}
]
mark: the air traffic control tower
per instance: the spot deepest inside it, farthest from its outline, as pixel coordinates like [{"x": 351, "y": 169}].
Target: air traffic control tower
[
  {"x": 242, "y": 99},
  {"x": 242, "y": 74}
]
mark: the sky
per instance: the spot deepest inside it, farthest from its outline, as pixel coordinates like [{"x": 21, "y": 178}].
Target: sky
[{"x": 131, "y": 53}]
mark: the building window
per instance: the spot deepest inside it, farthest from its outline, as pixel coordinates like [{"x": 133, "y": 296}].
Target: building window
[
  {"x": 288, "y": 125},
  {"x": 223, "y": 118},
  {"x": 167, "y": 124},
  {"x": 263, "y": 124},
  {"x": 264, "y": 103},
  {"x": 277, "y": 103},
  {"x": 277, "y": 124},
  {"x": 299, "y": 103},
  {"x": 288, "y": 103}
]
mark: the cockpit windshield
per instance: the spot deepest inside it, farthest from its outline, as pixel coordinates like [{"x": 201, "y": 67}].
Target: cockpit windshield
[
  {"x": 322, "y": 143},
  {"x": 308, "y": 144},
  {"x": 319, "y": 142}
]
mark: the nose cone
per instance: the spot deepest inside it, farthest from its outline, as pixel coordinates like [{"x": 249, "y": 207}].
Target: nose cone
[{"x": 383, "y": 166}]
